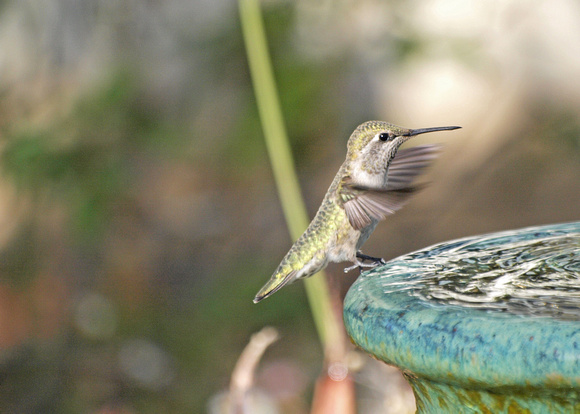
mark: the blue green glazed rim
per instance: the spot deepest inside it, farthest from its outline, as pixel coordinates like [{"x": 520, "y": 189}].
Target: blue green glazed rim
[{"x": 462, "y": 345}]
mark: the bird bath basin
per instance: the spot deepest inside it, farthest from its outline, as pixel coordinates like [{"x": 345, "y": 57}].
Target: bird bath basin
[{"x": 485, "y": 324}]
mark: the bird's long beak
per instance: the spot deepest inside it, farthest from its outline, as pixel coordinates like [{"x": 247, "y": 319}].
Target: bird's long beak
[
  {"x": 407, "y": 134},
  {"x": 413, "y": 132}
]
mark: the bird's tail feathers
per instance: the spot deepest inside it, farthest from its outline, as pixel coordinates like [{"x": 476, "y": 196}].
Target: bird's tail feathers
[{"x": 275, "y": 284}]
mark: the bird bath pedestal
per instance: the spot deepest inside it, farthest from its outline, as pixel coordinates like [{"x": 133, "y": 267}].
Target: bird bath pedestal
[{"x": 486, "y": 324}]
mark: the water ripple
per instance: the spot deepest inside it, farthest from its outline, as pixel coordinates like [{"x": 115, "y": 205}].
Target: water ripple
[{"x": 529, "y": 271}]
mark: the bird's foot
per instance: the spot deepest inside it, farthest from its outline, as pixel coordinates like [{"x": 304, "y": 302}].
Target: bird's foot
[
  {"x": 354, "y": 266},
  {"x": 376, "y": 261}
]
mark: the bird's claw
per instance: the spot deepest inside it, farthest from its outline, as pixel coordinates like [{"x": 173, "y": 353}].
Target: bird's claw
[
  {"x": 376, "y": 261},
  {"x": 354, "y": 266}
]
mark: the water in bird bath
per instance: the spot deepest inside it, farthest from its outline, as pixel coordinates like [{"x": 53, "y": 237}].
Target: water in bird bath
[{"x": 531, "y": 271}]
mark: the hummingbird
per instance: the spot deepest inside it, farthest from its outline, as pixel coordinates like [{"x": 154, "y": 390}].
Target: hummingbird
[{"x": 374, "y": 181}]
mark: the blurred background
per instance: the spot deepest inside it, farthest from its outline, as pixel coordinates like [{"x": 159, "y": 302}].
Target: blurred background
[{"x": 139, "y": 215}]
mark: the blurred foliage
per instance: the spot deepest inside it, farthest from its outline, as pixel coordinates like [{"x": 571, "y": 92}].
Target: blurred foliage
[
  {"x": 89, "y": 167},
  {"x": 84, "y": 157},
  {"x": 19, "y": 262},
  {"x": 556, "y": 127}
]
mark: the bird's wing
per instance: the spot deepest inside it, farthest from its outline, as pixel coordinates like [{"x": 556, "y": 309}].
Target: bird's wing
[
  {"x": 408, "y": 163},
  {"x": 362, "y": 205}
]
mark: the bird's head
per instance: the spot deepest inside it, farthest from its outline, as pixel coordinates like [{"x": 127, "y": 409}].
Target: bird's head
[{"x": 373, "y": 145}]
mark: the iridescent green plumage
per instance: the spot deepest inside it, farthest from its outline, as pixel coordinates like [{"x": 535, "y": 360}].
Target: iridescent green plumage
[{"x": 362, "y": 193}]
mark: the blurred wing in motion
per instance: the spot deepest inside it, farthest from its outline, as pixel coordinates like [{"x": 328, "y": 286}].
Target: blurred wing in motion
[
  {"x": 363, "y": 205},
  {"x": 366, "y": 204},
  {"x": 409, "y": 163}
]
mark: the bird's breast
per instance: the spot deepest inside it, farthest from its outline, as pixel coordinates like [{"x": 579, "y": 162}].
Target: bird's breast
[
  {"x": 367, "y": 176},
  {"x": 345, "y": 244}
]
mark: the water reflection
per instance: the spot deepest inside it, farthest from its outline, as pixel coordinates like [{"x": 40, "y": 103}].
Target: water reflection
[{"x": 532, "y": 271}]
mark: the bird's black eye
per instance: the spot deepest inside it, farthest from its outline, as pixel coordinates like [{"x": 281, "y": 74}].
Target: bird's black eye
[{"x": 383, "y": 136}]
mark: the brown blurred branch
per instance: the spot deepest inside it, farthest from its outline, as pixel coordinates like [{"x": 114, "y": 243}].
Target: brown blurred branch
[{"x": 243, "y": 374}]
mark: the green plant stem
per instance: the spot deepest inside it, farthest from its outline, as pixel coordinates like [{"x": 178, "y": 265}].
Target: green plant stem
[{"x": 280, "y": 154}]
